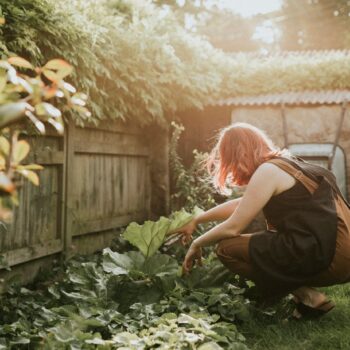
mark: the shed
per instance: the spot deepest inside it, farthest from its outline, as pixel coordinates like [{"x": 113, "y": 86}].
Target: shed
[{"x": 312, "y": 124}]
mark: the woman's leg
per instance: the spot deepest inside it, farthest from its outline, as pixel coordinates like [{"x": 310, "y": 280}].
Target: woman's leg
[{"x": 234, "y": 254}]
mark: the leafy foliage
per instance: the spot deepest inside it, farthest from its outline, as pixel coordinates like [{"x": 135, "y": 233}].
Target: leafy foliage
[
  {"x": 192, "y": 185},
  {"x": 136, "y": 61},
  {"x": 129, "y": 59},
  {"x": 117, "y": 300},
  {"x": 92, "y": 304},
  {"x": 184, "y": 332},
  {"x": 150, "y": 236},
  {"x": 29, "y": 96}
]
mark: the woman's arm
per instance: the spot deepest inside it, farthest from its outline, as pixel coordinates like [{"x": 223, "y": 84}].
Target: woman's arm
[
  {"x": 262, "y": 186},
  {"x": 219, "y": 213},
  {"x": 260, "y": 189}
]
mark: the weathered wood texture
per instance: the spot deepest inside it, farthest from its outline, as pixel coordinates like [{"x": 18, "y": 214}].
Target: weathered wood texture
[
  {"x": 95, "y": 179},
  {"x": 36, "y": 229},
  {"x": 108, "y": 180}
]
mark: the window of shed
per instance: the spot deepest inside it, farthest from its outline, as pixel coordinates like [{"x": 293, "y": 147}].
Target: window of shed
[{"x": 319, "y": 153}]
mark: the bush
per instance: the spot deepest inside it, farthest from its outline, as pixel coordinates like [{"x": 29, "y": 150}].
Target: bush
[
  {"x": 134, "y": 62},
  {"x": 192, "y": 186}
]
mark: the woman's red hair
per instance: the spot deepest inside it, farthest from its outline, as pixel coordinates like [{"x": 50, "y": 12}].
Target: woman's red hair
[{"x": 240, "y": 150}]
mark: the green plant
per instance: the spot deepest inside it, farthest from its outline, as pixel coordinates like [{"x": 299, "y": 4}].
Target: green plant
[
  {"x": 129, "y": 59},
  {"x": 30, "y": 96},
  {"x": 115, "y": 300},
  {"x": 137, "y": 62},
  {"x": 149, "y": 236},
  {"x": 192, "y": 186}
]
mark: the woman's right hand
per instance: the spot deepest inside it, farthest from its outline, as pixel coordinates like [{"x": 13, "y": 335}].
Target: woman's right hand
[{"x": 186, "y": 231}]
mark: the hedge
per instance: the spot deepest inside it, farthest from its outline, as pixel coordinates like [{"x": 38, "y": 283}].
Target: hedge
[
  {"x": 144, "y": 68},
  {"x": 136, "y": 62}
]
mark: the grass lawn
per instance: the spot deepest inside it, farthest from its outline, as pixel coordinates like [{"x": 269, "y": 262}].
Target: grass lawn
[{"x": 331, "y": 331}]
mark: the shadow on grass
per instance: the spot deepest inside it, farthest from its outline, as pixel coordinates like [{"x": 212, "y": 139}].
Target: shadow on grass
[{"x": 274, "y": 329}]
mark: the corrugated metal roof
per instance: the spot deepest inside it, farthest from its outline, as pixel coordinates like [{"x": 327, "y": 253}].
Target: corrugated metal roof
[
  {"x": 302, "y": 53},
  {"x": 294, "y": 98}
]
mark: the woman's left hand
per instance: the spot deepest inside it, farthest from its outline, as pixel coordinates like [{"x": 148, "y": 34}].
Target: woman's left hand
[{"x": 193, "y": 255}]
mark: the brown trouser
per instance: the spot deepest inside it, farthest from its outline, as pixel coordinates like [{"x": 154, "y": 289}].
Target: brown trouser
[{"x": 234, "y": 254}]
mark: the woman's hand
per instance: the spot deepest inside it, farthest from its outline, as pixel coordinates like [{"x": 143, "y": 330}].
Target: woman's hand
[
  {"x": 186, "y": 231},
  {"x": 193, "y": 255}
]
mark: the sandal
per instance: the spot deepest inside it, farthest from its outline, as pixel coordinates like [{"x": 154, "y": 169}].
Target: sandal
[{"x": 309, "y": 312}]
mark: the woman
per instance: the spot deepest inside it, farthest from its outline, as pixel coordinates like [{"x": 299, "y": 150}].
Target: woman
[{"x": 307, "y": 241}]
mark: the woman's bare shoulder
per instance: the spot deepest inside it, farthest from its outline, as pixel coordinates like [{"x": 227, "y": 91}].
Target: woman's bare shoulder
[
  {"x": 268, "y": 169},
  {"x": 273, "y": 173}
]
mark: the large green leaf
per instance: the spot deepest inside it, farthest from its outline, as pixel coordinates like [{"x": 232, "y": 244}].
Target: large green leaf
[
  {"x": 150, "y": 236},
  {"x": 122, "y": 264},
  {"x": 135, "y": 264},
  {"x": 181, "y": 218},
  {"x": 160, "y": 265}
]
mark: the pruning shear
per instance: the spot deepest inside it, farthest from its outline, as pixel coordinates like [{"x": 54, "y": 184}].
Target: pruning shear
[{"x": 172, "y": 239}]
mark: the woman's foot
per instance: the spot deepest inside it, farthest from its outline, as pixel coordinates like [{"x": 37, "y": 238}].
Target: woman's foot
[
  {"x": 310, "y": 303},
  {"x": 314, "y": 312},
  {"x": 309, "y": 296}
]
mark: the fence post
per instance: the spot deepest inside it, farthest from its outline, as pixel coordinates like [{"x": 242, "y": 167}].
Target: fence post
[{"x": 68, "y": 179}]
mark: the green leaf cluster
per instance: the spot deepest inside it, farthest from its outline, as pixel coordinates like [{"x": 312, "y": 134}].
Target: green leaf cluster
[
  {"x": 129, "y": 59},
  {"x": 116, "y": 300},
  {"x": 149, "y": 236},
  {"x": 192, "y": 185}
]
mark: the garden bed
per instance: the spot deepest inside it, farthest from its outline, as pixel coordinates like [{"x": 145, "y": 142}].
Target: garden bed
[{"x": 128, "y": 299}]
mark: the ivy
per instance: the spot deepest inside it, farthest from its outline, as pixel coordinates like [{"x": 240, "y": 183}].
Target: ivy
[{"x": 122, "y": 300}]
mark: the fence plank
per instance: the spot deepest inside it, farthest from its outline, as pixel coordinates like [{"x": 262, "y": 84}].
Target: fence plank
[
  {"x": 120, "y": 145},
  {"x": 21, "y": 255},
  {"x": 107, "y": 223},
  {"x": 68, "y": 188}
]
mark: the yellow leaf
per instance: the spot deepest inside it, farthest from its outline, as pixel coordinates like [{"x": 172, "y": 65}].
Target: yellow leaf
[
  {"x": 2, "y": 21},
  {"x": 20, "y": 151},
  {"x": 30, "y": 175},
  {"x": 58, "y": 64},
  {"x": 49, "y": 74},
  {"x": 4, "y": 145},
  {"x": 62, "y": 73},
  {"x": 20, "y": 62}
]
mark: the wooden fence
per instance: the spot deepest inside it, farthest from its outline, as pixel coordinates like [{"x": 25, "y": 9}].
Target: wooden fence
[{"x": 95, "y": 179}]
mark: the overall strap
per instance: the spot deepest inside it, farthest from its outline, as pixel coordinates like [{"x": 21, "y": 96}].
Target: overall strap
[{"x": 308, "y": 183}]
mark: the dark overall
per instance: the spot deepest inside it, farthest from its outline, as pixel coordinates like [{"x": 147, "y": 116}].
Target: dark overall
[{"x": 308, "y": 238}]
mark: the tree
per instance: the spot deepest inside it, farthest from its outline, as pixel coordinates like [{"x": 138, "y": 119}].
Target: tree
[
  {"x": 314, "y": 24},
  {"x": 223, "y": 28}
]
